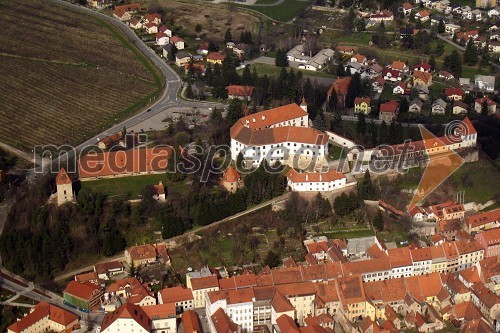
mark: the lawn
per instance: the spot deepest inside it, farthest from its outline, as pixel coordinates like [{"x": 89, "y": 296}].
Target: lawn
[
  {"x": 284, "y": 12},
  {"x": 131, "y": 187},
  {"x": 470, "y": 72},
  {"x": 351, "y": 233},
  {"x": 273, "y": 71},
  {"x": 67, "y": 79}
]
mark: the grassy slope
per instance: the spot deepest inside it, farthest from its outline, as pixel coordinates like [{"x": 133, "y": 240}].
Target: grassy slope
[
  {"x": 130, "y": 187},
  {"x": 283, "y": 12}
]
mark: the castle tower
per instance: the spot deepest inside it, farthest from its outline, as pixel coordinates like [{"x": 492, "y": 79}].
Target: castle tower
[
  {"x": 303, "y": 104},
  {"x": 64, "y": 188},
  {"x": 231, "y": 180}
]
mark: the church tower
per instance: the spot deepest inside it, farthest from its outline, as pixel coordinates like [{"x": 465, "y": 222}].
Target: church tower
[
  {"x": 303, "y": 104},
  {"x": 64, "y": 188}
]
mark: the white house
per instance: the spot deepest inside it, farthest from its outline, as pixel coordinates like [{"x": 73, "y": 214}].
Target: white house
[
  {"x": 151, "y": 28},
  {"x": 278, "y": 135},
  {"x": 494, "y": 12},
  {"x": 400, "y": 262},
  {"x": 162, "y": 38},
  {"x": 485, "y": 83},
  {"x": 422, "y": 260},
  {"x": 319, "y": 60},
  {"x": 315, "y": 181},
  {"x": 178, "y": 42}
]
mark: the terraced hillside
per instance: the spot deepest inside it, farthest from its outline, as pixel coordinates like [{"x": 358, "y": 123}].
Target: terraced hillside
[{"x": 65, "y": 75}]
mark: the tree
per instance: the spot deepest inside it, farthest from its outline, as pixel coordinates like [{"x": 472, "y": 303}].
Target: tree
[
  {"x": 354, "y": 89},
  {"x": 272, "y": 260},
  {"x": 361, "y": 25},
  {"x": 484, "y": 108},
  {"x": 485, "y": 55},
  {"x": 441, "y": 27},
  {"x": 366, "y": 189},
  {"x": 228, "y": 37},
  {"x": 212, "y": 47},
  {"x": 378, "y": 221},
  {"x": 319, "y": 123},
  {"x": 453, "y": 63},
  {"x": 333, "y": 101},
  {"x": 361, "y": 124},
  {"x": 246, "y": 77},
  {"x": 281, "y": 58},
  {"x": 349, "y": 21},
  {"x": 235, "y": 111},
  {"x": 432, "y": 62},
  {"x": 439, "y": 48},
  {"x": 197, "y": 28},
  {"x": 470, "y": 54},
  {"x": 189, "y": 90},
  {"x": 341, "y": 70},
  {"x": 132, "y": 270}
]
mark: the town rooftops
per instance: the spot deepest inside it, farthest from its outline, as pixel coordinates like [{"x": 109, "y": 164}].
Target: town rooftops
[
  {"x": 287, "y": 324},
  {"x": 484, "y": 100},
  {"x": 90, "y": 276},
  {"x": 407, "y": 6},
  {"x": 176, "y": 294},
  {"x": 231, "y": 175},
  {"x": 222, "y": 323},
  {"x": 40, "y": 311},
  {"x": 216, "y": 56},
  {"x": 315, "y": 177},
  {"x": 127, "y": 311},
  {"x": 267, "y": 118},
  {"x": 399, "y": 257},
  {"x": 275, "y": 135},
  {"x": 204, "y": 282},
  {"x": 142, "y": 252},
  {"x": 464, "y": 247},
  {"x": 398, "y": 65},
  {"x": 132, "y": 161},
  {"x": 175, "y": 39},
  {"x": 424, "y": 76},
  {"x": 454, "y": 91},
  {"x": 340, "y": 85},
  {"x": 151, "y": 17},
  {"x": 359, "y": 100},
  {"x": 391, "y": 106},
  {"x": 108, "y": 266},
  {"x": 84, "y": 290},
  {"x": 244, "y": 91},
  {"x": 62, "y": 178},
  {"x": 191, "y": 322},
  {"x": 160, "y": 311}
]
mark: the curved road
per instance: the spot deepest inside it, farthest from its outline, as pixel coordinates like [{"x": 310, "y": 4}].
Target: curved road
[{"x": 167, "y": 101}]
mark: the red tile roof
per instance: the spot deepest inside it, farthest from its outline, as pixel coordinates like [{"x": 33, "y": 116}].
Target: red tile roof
[
  {"x": 216, "y": 56},
  {"x": 40, "y": 311},
  {"x": 275, "y": 135},
  {"x": 131, "y": 161},
  {"x": 273, "y": 116},
  {"x": 84, "y": 290},
  {"x": 151, "y": 17},
  {"x": 160, "y": 311},
  {"x": 146, "y": 251},
  {"x": 340, "y": 85},
  {"x": 280, "y": 303},
  {"x": 477, "y": 220},
  {"x": 391, "y": 106},
  {"x": 287, "y": 324},
  {"x": 481, "y": 101},
  {"x": 222, "y": 323},
  {"x": 175, "y": 39},
  {"x": 176, "y": 294},
  {"x": 245, "y": 91},
  {"x": 204, "y": 282},
  {"x": 425, "y": 66},
  {"x": 127, "y": 311},
  {"x": 191, "y": 322},
  {"x": 302, "y": 177},
  {"x": 359, "y": 100},
  {"x": 62, "y": 178},
  {"x": 454, "y": 91},
  {"x": 231, "y": 175},
  {"x": 86, "y": 277}
]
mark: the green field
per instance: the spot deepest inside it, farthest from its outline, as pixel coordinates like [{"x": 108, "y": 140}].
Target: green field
[
  {"x": 273, "y": 71},
  {"x": 479, "y": 180},
  {"x": 284, "y": 12},
  {"x": 131, "y": 187},
  {"x": 354, "y": 233}
]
